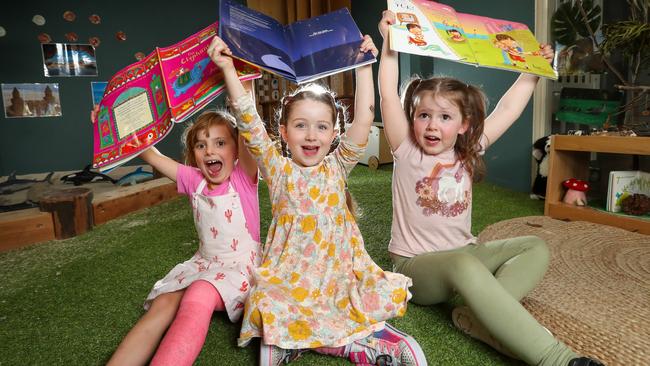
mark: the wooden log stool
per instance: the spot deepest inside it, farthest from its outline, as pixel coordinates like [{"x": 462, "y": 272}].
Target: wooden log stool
[{"x": 71, "y": 209}]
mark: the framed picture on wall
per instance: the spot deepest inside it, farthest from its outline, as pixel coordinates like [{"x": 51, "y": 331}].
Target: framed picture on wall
[
  {"x": 65, "y": 59},
  {"x": 31, "y": 100},
  {"x": 97, "y": 88}
]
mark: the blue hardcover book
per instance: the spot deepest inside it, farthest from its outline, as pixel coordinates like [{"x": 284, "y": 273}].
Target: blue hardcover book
[{"x": 301, "y": 51}]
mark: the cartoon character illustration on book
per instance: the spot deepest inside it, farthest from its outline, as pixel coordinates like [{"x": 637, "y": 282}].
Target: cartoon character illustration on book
[
  {"x": 416, "y": 37},
  {"x": 187, "y": 78},
  {"x": 511, "y": 50},
  {"x": 455, "y": 35}
]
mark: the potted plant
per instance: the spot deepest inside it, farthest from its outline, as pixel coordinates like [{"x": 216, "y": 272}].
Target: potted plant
[{"x": 576, "y": 23}]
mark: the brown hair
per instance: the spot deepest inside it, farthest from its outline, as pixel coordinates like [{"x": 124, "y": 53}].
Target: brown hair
[
  {"x": 471, "y": 102},
  {"x": 503, "y": 37},
  {"x": 315, "y": 92},
  {"x": 318, "y": 93},
  {"x": 409, "y": 26},
  {"x": 203, "y": 122}
]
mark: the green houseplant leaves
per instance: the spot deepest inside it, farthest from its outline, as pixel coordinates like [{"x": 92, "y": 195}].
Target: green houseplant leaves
[{"x": 567, "y": 23}]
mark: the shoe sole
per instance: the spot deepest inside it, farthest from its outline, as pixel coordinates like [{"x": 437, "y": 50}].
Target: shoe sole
[{"x": 412, "y": 344}]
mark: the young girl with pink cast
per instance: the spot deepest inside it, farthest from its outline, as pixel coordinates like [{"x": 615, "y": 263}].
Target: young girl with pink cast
[
  {"x": 438, "y": 133},
  {"x": 220, "y": 179},
  {"x": 317, "y": 287}
]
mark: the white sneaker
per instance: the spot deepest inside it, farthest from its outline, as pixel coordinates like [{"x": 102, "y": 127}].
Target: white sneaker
[
  {"x": 275, "y": 356},
  {"x": 387, "y": 347}
]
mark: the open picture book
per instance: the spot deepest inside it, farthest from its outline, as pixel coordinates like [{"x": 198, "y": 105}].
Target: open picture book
[
  {"x": 624, "y": 183},
  {"x": 432, "y": 29},
  {"x": 301, "y": 51},
  {"x": 142, "y": 102}
]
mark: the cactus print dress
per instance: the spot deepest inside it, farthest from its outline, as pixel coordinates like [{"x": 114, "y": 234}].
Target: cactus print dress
[
  {"x": 317, "y": 286},
  {"x": 227, "y": 253}
]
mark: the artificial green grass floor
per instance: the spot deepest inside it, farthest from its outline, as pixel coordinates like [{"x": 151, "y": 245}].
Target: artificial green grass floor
[{"x": 71, "y": 302}]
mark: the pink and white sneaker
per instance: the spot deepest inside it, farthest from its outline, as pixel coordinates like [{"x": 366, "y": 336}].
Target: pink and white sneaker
[
  {"x": 275, "y": 356},
  {"x": 387, "y": 347}
]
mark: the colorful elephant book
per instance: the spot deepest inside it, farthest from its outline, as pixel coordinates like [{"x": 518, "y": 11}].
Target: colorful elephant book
[
  {"x": 301, "y": 51},
  {"x": 142, "y": 102},
  {"x": 432, "y": 29}
]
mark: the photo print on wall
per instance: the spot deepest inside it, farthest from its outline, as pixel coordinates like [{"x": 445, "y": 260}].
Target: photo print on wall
[
  {"x": 31, "y": 100},
  {"x": 64, "y": 59}
]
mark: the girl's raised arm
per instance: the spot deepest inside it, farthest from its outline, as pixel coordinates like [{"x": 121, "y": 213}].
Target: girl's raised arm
[
  {"x": 396, "y": 126},
  {"x": 220, "y": 55},
  {"x": 512, "y": 103},
  {"x": 246, "y": 160},
  {"x": 364, "y": 99},
  {"x": 162, "y": 163}
]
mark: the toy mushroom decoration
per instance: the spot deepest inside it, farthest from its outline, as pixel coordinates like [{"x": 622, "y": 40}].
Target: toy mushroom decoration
[{"x": 576, "y": 192}]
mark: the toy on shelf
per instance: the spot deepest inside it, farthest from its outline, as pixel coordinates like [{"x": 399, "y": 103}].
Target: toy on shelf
[
  {"x": 576, "y": 192},
  {"x": 636, "y": 204},
  {"x": 541, "y": 149}
]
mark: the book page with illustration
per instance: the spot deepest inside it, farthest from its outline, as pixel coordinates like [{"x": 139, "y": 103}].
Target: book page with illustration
[
  {"x": 142, "y": 102},
  {"x": 437, "y": 30},
  {"x": 301, "y": 51}
]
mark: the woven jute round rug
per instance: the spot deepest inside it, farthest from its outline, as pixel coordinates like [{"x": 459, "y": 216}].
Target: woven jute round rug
[{"x": 595, "y": 296}]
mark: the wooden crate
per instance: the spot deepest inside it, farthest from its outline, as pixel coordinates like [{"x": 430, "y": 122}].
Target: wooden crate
[{"x": 25, "y": 227}]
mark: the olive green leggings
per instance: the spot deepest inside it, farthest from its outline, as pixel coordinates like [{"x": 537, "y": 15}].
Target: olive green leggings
[{"x": 491, "y": 278}]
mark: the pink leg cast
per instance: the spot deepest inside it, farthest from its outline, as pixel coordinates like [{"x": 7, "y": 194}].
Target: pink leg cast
[{"x": 185, "y": 337}]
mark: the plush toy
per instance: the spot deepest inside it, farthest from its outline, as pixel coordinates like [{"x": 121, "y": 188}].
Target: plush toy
[
  {"x": 576, "y": 192},
  {"x": 541, "y": 149}
]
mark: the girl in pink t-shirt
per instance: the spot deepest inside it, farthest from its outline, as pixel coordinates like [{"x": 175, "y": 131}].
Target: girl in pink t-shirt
[
  {"x": 437, "y": 133},
  {"x": 221, "y": 180}
]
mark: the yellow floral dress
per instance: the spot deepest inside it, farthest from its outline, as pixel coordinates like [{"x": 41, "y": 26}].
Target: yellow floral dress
[{"x": 317, "y": 285}]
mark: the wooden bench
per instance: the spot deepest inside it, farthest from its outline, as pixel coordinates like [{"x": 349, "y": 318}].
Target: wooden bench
[{"x": 25, "y": 227}]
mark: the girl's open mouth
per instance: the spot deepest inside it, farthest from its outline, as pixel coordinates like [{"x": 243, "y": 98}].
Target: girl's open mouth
[
  {"x": 214, "y": 167},
  {"x": 310, "y": 150}
]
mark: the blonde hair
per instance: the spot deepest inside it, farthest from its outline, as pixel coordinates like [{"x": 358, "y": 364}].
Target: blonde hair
[
  {"x": 471, "y": 102},
  {"x": 203, "y": 122}
]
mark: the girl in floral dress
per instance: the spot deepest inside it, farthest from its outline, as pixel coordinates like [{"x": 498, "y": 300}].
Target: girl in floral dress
[{"x": 317, "y": 287}]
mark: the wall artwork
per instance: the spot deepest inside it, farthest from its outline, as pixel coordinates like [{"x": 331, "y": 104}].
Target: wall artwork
[
  {"x": 98, "y": 88},
  {"x": 64, "y": 59},
  {"x": 31, "y": 100}
]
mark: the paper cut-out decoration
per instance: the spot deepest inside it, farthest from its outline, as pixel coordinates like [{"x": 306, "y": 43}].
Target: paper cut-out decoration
[
  {"x": 71, "y": 37},
  {"x": 95, "y": 19},
  {"x": 69, "y": 16},
  {"x": 38, "y": 19},
  {"x": 44, "y": 38},
  {"x": 94, "y": 41},
  {"x": 121, "y": 36},
  {"x": 3, "y": 32},
  {"x": 139, "y": 55}
]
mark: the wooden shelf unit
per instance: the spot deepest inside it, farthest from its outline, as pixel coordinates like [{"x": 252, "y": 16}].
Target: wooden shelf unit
[{"x": 570, "y": 159}]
